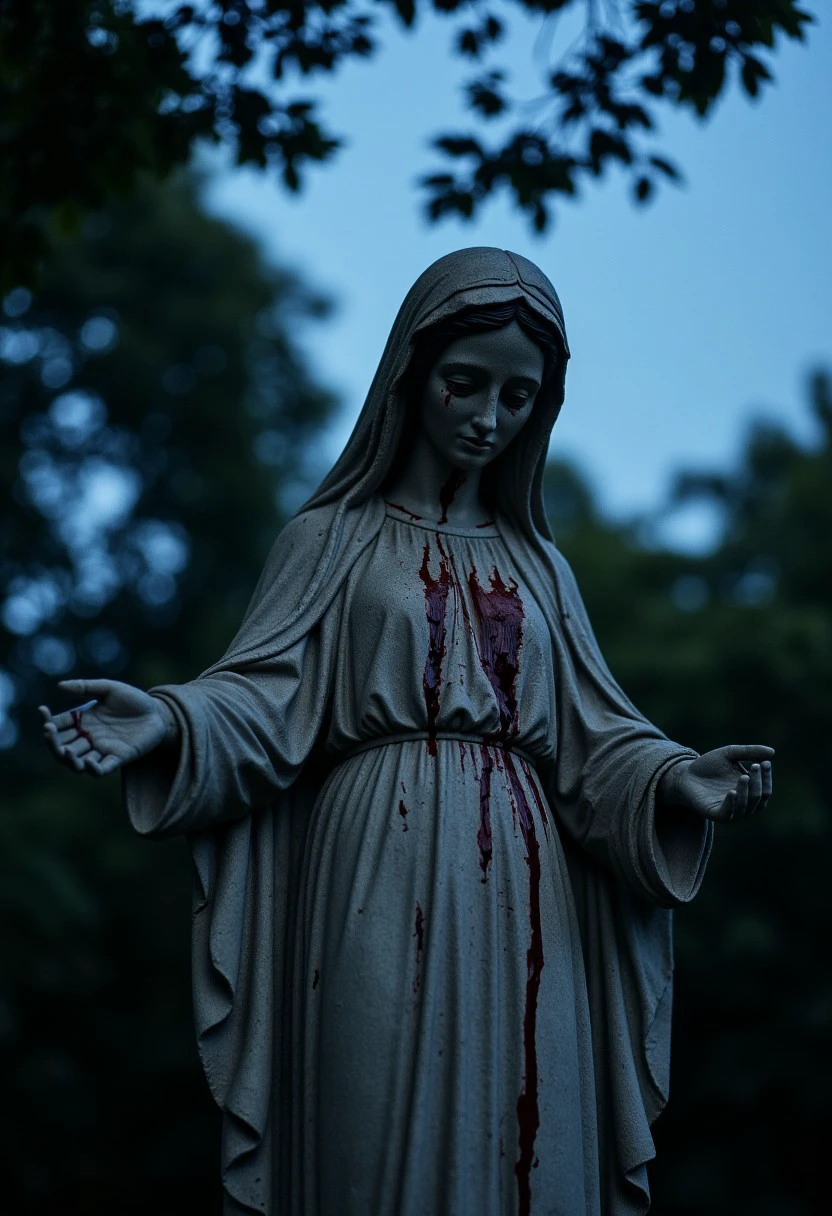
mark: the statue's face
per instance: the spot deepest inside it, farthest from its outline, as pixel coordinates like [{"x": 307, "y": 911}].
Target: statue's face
[{"x": 480, "y": 394}]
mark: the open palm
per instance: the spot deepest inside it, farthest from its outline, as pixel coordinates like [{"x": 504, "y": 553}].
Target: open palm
[
  {"x": 725, "y": 784},
  {"x": 120, "y": 725}
]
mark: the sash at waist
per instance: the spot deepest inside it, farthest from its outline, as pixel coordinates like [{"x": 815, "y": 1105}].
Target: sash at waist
[{"x": 413, "y": 736}]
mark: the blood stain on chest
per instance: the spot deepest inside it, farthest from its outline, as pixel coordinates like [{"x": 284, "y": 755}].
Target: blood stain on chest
[
  {"x": 436, "y": 603},
  {"x": 499, "y": 617},
  {"x": 403, "y": 813}
]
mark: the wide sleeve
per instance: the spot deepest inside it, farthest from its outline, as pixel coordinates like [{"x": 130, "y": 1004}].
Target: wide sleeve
[
  {"x": 245, "y": 736},
  {"x": 609, "y": 762}
]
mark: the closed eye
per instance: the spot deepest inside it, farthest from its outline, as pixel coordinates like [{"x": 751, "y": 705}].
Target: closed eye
[{"x": 460, "y": 388}]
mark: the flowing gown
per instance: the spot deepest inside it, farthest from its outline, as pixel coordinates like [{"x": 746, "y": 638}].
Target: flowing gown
[{"x": 440, "y": 1042}]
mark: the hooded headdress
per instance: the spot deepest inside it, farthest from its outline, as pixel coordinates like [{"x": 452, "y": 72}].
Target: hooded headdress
[{"x": 247, "y": 866}]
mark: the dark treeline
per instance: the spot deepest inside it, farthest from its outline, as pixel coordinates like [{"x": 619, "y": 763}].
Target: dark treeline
[{"x": 158, "y": 421}]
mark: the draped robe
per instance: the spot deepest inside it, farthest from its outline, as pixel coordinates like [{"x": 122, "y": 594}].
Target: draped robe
[{"x": 246, "y": 782}]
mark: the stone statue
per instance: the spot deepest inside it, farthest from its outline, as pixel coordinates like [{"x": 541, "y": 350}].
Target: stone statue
[{"x": 436, "y": 846}]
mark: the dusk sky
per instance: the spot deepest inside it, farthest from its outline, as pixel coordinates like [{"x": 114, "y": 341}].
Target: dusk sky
[{"x": 686, "y": 318}]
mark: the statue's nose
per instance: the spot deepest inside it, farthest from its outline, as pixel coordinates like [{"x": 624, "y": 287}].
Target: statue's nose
[{"x": 484, "y": 421}]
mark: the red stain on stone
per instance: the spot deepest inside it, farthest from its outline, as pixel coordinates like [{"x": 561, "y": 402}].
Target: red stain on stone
[
  {"x": 316, "y": 978},
  {"x": 499, "y": 614},
  {"x": 528, "y": 1111},
  {"x": 436, "y": 603},
  {"x": 448, "y": 492},
  {"x": 487, "y": 523},
  {"x": 403, "y": 510},
  {"x": 403, "y": 813},
  {"x": 461, "y": 754},
  {"x": 447, "y": 397},
  {"x": 541, "y": 804},
  {"x": 484, "y": 832},
  {"x": 76, "y": 722},
  {"x": 419, "y": 934}
]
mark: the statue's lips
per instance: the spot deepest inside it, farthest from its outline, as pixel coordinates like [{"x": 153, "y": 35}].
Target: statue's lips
[{"x": 479, "y": 444}]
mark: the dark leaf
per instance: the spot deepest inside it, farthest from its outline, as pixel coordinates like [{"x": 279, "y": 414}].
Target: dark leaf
[
  {"x": 753, "y": 71},
  {"x": 406, "y": 10},
  {"x": 484, "y": 97},
  {"x": 458, "y": 145},
  {"x": 643, "y": 189},
  {"x": 666, "y": 167},
  {"x": 468, "y": 43},
  {"x": 653, "y": 84}
]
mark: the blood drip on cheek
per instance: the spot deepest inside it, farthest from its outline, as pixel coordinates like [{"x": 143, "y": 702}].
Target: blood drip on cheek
[
  {"x": 82, "y": 734},
  {"x": 528, "y": 1112},
  {"x": 447, "y": 397},
  {"x": 436, "y": 602},
  {"x": 448, "y": 492},
  {"x": 500, "y": 616}
]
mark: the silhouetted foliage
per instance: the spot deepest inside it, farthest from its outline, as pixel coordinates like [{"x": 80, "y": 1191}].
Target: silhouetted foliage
[
  {"x": 157, "y": 419},
  {"x": 97, "y": 92},
  {"x": 737, "y": 645}
]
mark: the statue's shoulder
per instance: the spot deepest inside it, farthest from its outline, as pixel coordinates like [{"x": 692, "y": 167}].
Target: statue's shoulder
[
  {"x": 307, "y": 531},
  {"x": 560, "y": 565},
  {"x": 325, "y": 532}
]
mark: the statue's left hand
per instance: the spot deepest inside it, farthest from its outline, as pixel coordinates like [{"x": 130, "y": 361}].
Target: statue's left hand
[{"x": 726, "y": 784}]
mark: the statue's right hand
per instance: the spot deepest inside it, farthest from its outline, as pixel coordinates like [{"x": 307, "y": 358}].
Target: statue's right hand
[{"x": 120, "y": 725}]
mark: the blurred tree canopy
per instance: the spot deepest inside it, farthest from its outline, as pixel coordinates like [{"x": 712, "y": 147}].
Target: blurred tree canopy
[
  {"x": 157, "y": 420},
  {"x": 737, "y": 646},
  {"x": 94, "y": 93}
]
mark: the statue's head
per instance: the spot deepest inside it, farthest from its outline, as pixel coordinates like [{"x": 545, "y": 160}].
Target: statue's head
[
  {"x": 474, "y": 377},
  {"x": 478, "y": 304}
]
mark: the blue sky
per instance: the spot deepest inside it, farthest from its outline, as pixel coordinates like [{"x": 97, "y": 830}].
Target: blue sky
[{"x": 686, "y": 318}]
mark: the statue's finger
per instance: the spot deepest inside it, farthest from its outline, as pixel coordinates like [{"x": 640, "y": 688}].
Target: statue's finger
[
  {"x": 45, "y": 712},
  {"x": 737, "y": 752},
  {"x": 87, "y": 688},
  {"x": 767, "y": 779},
  {"x": 72, "y": 761},
  {"x": 92, "y": 763},
  {"x": 78, "y": 747},
  {"x": 72, "y": 717},
  {"x": 741, "y": 798},
  {"x": 755, "y": 789},
  {"x": 726, "y": 811},
  {"x": 766, "y": 788},
  {"x": 51, "y": 737},
  {"x": 80, "y": 729}
]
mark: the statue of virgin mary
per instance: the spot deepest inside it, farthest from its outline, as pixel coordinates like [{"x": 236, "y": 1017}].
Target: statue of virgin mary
[{"x": 432, "y": 955}]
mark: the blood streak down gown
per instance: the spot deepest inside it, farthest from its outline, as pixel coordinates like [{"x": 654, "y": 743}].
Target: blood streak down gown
[{"x": 439, "y": 1034}]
